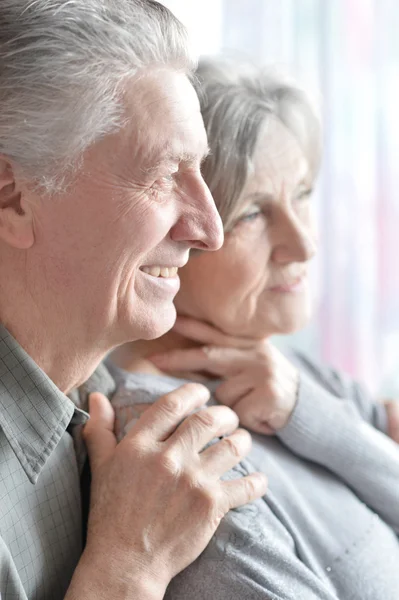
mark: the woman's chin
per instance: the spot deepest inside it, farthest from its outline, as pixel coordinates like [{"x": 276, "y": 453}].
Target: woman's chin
[
  {"x": 290, "y": 324},
  {"x": 284, "y": 323}
]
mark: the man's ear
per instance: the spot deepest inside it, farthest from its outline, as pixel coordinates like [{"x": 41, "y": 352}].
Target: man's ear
[{"x": 16, "y": 219}]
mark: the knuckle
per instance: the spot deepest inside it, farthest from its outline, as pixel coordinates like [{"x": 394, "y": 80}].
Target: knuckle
[
  {"x": 272, "y": 390},
  {"x": 262, "y": 352},
  {"x": 205, "y": 419},
  {"x": 187, "y": 479},
  {"x": 246, "y": 438},
  {"x": 169, "y": 464},
  {"x": 232, "y": 447},
  {"x": 138, "y": 444},
  {"x": 213, "y": 352},
  {"x": 227, "y": 414},
  {"x": 249, "y": 486},
  {"x": 198, "y": 489},
  {"x": 201, "y": 494},
  {"x": 172, "y": 403},
  {"x": 207, "y": 498}
]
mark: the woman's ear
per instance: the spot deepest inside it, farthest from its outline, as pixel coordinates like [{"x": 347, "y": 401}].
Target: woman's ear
[{"x": 16, "y": 219}]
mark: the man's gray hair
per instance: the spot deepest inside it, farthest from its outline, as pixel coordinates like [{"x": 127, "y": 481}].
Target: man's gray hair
[
  {"x": 63, "y": 66},
  {"x": 236, "y": 102}
]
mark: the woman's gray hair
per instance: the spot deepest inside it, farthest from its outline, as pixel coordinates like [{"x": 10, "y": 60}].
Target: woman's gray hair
[
  {"x": 236, "y": 102},
  {"x": 63, "y": 66}
]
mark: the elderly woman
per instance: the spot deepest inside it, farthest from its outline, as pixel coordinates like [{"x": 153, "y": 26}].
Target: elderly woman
[
  {"x": 96, "y": 109},
  {"x": 327, "y": 529}
]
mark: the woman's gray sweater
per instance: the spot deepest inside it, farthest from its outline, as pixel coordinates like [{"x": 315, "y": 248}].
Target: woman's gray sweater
[{"x": 328, "y": 527}]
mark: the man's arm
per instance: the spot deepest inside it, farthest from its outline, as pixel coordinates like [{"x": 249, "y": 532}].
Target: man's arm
[{"x": 96, "y": 579}]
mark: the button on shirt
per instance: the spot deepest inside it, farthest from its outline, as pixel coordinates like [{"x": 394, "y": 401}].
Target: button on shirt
[{"x": 40, "y": 512}]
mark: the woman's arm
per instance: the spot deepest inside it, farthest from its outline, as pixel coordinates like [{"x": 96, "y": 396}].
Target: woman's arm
[
  {"x": 341, "y": 385},
  {"x": 330, "y": 431}
]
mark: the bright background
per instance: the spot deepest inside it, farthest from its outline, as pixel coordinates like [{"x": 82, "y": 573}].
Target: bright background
[{"x": 347, "y": 52}]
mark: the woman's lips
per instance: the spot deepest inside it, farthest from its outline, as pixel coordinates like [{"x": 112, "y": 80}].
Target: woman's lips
[{"x": 291, "y": 287}]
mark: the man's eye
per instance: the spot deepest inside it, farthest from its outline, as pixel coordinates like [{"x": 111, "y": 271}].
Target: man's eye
[
  {"x": 165, "y": 181},
  {"x": 168, "y": 178}
]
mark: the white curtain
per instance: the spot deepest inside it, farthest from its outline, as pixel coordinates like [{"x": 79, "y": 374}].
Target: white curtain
[{"x": 347, "y": 51}]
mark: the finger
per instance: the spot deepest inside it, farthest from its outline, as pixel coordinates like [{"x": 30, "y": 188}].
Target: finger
[
  {"x": 230, "y": 391},
  {"x": 224, "y": 455},
  {"x": 214, "y": 360},
  {"x": 254, "y": 413},
  {"x": 207, "y": 334},
  {"x": 392, "y": 409},
  {"x": 98, "y": 433},
  {"x": 246, "y": 489},
  {"x": 162, "y": 417},
  {"x": 202, "y": 427}
]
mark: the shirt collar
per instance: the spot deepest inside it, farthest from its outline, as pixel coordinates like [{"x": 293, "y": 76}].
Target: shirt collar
[{"x": 34, "y": 413}]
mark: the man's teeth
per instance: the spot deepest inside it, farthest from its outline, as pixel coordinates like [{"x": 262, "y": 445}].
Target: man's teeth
[{"x": 161, "y": 271}]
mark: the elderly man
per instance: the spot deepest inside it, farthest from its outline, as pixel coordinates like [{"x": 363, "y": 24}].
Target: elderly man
[{"x": 101, "y": 199}]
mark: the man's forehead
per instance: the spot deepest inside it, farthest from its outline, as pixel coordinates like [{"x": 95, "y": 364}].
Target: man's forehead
[
  {"x": 166, "y": 123},
  {"x": 161, "y": 93}
]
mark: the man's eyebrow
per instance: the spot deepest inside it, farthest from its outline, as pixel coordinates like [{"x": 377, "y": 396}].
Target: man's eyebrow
[
  {"x": 188, "y": 157},
  {"x": 176, "y": 158}
]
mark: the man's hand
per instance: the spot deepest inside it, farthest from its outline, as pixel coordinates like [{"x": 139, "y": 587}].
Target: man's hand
[
  {"x": 259, "y": 383},
  {"x": 156, "y": 497}
]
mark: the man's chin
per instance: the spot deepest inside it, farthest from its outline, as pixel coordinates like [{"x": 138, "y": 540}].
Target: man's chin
[{"x": 159, "y": 324}]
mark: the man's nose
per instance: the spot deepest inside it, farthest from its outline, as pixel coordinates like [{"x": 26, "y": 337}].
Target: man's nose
[{"x": 199, "y": 225}]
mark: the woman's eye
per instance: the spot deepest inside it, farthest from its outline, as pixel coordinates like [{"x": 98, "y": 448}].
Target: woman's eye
[
  {"x": 304, "y": 194},
  {"x": 252, "y": 213},
  {"x": 251, "y": 216}
]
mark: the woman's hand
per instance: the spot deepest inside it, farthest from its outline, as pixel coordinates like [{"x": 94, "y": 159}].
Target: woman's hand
[
  {"x": 259, "y": 383},
  {"x": 156, "y": 497},
  {"x": 392, "y": 408}
]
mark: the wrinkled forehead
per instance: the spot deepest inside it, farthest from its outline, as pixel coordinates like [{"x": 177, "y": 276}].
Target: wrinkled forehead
[
  {"x": 279, "y": 156},
  {"x": 164, "y": 119},
  {"x": 278, "y": 166}
]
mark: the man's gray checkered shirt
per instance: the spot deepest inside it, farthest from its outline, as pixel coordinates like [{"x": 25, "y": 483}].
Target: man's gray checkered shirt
[{"x": 40, "y": 513}]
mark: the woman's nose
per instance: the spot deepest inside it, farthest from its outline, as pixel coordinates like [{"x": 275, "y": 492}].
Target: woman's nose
[
  {"x": 199, "y": 225},
  {"x": 296, "y": 241}
]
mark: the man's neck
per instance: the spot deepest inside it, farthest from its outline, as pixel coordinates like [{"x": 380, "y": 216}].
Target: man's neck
[{"x": 66, "y": 360}]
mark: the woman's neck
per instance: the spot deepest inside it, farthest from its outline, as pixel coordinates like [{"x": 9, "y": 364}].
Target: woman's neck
[{"x": 134, "y": 356}]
